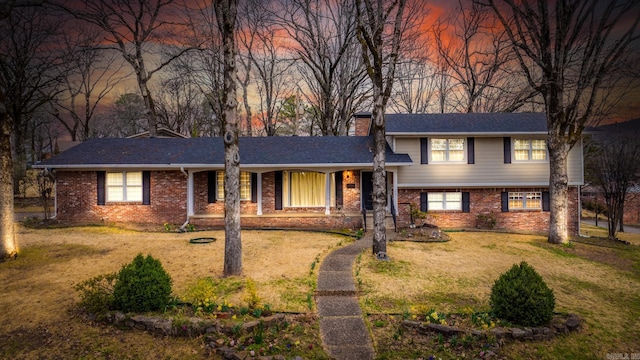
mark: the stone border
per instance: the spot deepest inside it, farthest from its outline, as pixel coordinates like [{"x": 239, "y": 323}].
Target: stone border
[{"x": 559, "y": 325}]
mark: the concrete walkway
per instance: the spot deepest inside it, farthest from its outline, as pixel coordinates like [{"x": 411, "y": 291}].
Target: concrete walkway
[{"x": 342, "y": 327}]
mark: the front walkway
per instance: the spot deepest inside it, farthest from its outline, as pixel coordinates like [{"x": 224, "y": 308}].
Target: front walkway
[{"x": 342, "y": 328}]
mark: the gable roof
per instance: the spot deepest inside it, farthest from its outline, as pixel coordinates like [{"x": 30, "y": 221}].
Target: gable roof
[
  {"x": 466, "y": 124},
  {"x": 257, "y": 152}
]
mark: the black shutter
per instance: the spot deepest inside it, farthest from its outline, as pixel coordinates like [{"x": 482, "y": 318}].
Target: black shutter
[
  {"x": 471, "y": 155},
  {"x": 102, "y": 175},
  {"x": 146, "y": 188},
  {"x": 339, "y": 197},
  {"x": 505, "y": 201},
  {"x": 424, "y": 153},
  {"x": 424, "y": 202},
  {"x": 466, "y": 202},
  {"x": 546, "y": 201},
  {"x": 211, "y": 186},
  {"x": 254, "y": 187},
  {"x": 507, "y": 150},
  {"x": 278, "y": 190}
]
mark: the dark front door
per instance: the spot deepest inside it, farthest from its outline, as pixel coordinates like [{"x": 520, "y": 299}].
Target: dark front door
[{"x": 367, "y": 190}]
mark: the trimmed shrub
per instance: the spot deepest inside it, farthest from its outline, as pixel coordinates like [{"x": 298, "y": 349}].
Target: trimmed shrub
[
  {"x": 143, "y": 285},
  {"x": 521, "y": 296},
  {"x": 96, "y": 294}
]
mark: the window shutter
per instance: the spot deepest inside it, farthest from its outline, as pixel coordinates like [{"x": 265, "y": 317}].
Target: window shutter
[
  {"x": 505, "y": 201},
  {"x": 254, "y": 187},
  {"x": 146, "y": 188},
  {"x": 211, "y": 186},
  {"x": 339, "y": 197},
  {"x": 278, "y": 190},
  {"x": 507, "y": 150},
  {"x": 471, "y": 155},
  {"x": 546, "y": 201},
  {"x": 424, "y": 202},
  {"x": 424, "y": 153},
  {"x": 466, "y": 202},
  {"x": 102, "y": 175}
]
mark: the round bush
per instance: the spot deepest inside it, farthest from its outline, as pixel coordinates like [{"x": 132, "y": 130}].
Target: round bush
[
  {"x": 521, "y": 296},
  {"x": 143, "y": 285}
]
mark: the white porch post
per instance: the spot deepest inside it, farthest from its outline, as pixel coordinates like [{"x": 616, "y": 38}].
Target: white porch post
[
  {"x": 395, "y": 191},
  {"x": 327, "y": 194},
  {"x": 190, "y": 193},
  {"x": 259, "y": 188}
]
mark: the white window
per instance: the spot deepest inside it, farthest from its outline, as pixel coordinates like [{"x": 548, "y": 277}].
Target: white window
[
  {"x": 307, "y": 189},
  {"x": 124, "y": 186},
  {"x": 525, "y": 200},
  {"x": 445, "y": 201},
  {"x": 245, "y": 185},
  {"x": 529, "y": 149},
  {"x": 447, "y": 150}
]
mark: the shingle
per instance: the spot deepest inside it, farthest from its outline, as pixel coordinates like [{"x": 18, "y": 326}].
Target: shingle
[{"x": 464, "y": 123}]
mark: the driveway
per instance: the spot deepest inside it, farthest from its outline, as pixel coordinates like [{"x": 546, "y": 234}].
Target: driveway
[{"x": 603, "y": 224}]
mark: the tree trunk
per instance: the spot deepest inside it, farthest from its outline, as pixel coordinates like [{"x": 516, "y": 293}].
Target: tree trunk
[
  {"x": 558, "y": 189},
  {"x": 226, "y": 12},
  {"x": 379, "y": 178},
  {"x": 9, "y": 248}
]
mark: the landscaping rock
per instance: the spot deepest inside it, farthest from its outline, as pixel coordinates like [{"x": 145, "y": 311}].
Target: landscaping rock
[
  {"x": 500, "y": 333},
  {"x": 445, "y": 329},
  {"x": 249, "y": 326},
  {"x": 164, "y": 327},
  {"x": 573, "y": 322}
]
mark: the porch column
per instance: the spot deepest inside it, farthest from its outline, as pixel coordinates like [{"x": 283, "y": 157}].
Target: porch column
[
  {"x": 190, "y": 193},
  {"x": 259, "y": 188},
  {"x": 327, "y": 194},
  {"x": 395, "y": 191}
]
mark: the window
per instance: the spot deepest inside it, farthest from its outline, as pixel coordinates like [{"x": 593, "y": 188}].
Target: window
[
  {"x": 447, "y": 150},
  {"x": 306, "y": 189},
  {"x": 445, "y": 201},
  {"x": 525, "y": 200},
  {"x": 529, "y": 149},
  {"x": 245, "y": 185},
  {"x": 124, "y": 186}
]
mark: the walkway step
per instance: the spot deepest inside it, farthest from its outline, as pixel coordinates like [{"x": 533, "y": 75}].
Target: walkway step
[{"x": 338, "y": 306}]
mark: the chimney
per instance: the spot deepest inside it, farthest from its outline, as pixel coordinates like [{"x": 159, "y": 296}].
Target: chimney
[{"x": 362, "y": 123}]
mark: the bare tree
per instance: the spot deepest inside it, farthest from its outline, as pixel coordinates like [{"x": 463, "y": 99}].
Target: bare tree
[
  {"x": 612, "y": 166},
  {"x": 226, "y": 14},
  {"x": 179, "y": 105},
  {"x": 566, "y": 50},
  {"x": 323, "y": 32},
  {"x": 249, "y": 14},
  {"x": 135, "y": 29},
  {"x": 380, "y": 29},
  {"x": 93, "y": 73},
  {"x": 416, "y": 83}
]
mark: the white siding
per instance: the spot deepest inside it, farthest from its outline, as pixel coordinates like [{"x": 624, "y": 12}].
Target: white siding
[{"x": 489, "y": 168}]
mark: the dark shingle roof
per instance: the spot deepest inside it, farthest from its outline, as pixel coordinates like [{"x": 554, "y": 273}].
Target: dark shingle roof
[
  {"x": 474, "y": 123},
  {"x": 254, "y": 151}
]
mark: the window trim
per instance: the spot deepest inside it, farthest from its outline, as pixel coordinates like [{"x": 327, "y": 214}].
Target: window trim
[
  {"x": 465, "y": 149},
  {"x": 124, "y": 187},
  {"x": 444, "y": 201},
  {"x": 524, "y": 200},
  {"x": 530, "y": 151}
]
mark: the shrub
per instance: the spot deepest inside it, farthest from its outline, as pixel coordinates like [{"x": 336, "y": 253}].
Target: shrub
[
  {"x": 521, "y": 296},
  {"x": 143, "y": 285},
  {"x": 96, "y": 294}
]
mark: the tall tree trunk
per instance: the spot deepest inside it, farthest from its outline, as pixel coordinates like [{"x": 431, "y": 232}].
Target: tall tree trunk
[
  {"x": 226, "y": 11},
  {"x": 558, "y": 189},
  {"x": 8, "y": 248},
  {"x": 379, "y": 177}
]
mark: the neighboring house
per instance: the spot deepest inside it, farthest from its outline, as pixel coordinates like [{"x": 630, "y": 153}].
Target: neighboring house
[{"x": 456, "y": 167}]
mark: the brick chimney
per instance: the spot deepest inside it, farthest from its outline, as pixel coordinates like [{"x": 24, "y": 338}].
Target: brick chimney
[{"x": 362, "y": 123}]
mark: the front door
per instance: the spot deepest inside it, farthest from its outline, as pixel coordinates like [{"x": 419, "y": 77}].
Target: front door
[{"x": 367, "y": 190}]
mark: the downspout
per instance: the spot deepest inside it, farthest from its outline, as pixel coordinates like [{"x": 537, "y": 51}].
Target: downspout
[
  {"x": 55, "y": 196},
  {"x": 183, "y": 227}
]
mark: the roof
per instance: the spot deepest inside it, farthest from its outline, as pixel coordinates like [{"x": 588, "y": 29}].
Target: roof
[
  {"x": 466, "y": 123},
  {"x": 294, "y": 151},
  {"x": 161, "y": 132}
]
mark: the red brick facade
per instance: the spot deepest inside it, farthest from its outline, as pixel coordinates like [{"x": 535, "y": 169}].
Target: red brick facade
[{"x": 487, "y": 201}]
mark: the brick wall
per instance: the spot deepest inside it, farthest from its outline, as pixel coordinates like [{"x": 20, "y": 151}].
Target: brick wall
[
  {"x": 77, "y": 199},
  {"x": 485, "y": 201},
  {"x": 362, "y": 124}
]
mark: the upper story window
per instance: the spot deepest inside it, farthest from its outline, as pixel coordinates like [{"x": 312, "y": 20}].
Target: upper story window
[
  {"x": 124, "y": 186},
  {"x": 447, "y": 150},
  {"x": 245, "y": 185},
  {"x": 525, "y": 200},
  {"x": 529, "y": 149}
]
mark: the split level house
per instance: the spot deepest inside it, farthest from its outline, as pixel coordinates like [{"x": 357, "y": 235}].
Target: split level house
[{"x": 457, "y": 168}]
